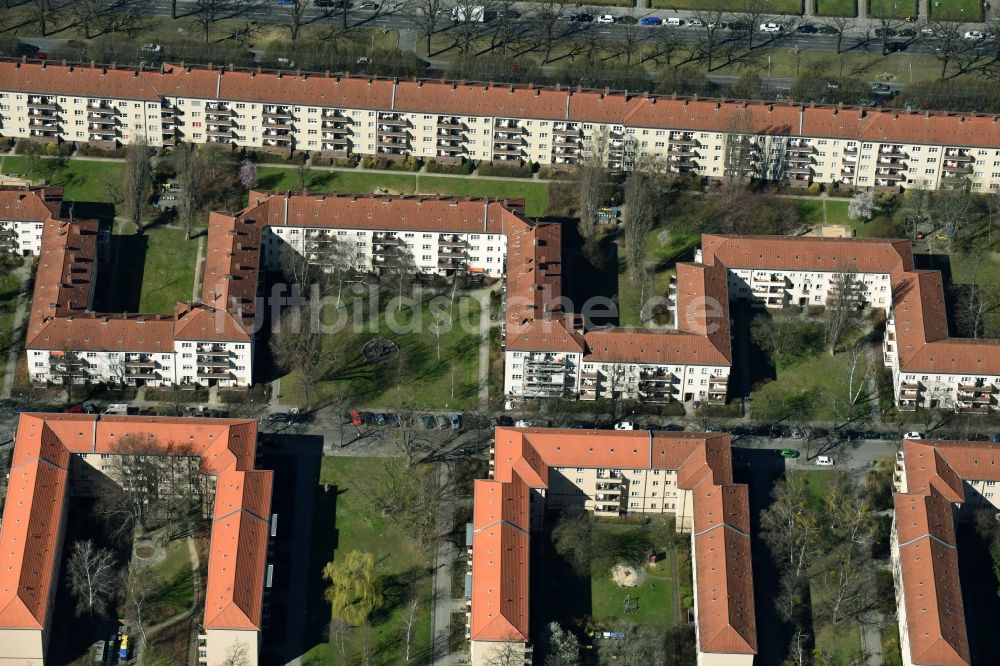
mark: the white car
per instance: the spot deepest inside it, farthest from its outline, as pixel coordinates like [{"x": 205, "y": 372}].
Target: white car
[
  {"x": 152, "y": 48},
  {"x": 695, "y": 22},
  {"x": 824, "y": 461},
  {"x": 771, "y": 27},
  {"x": 974, "y": 35},
  {"x": 913, "y": 435},
  {"x": 624, "y": 425},
  {"x": 605, "y": 18}
]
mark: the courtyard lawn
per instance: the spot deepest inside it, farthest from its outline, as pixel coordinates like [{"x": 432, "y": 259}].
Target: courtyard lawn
[
  {"x": 664, "y": 248},
  {"x": 836, "y": 7},
  {"x": 891, "y": 655},
  {"x": 9, "y": 289},
  {"x": 966, "y": 11},
  {"x": 774, "y": 7},
  {"x": 892, "y": 8},
  {"x": 819, "y": 211},
  {"x": 535, "y": 193},
  {"x": 401, "y": 561},
  {"x": 417, "y": 377},
  {"x": 842, "y": 643},
  {"x": 810, "y": 389},
  {"x": 155, "y": 270},
  {"x": 962, "y": 271},
  {"x": 83, "y": 179},
  {"x": 654, "y": 597}
]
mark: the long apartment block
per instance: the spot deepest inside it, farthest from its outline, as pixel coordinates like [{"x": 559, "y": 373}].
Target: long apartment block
[
  {"x": 538, "y": 471},
  {"x": 58, "y": 458},
  {"x": 938, "y": 485},
  {"x": 322, "y": 113}
]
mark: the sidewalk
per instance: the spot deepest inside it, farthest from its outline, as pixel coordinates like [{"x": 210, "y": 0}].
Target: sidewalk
[{"x": 442, "y": 603}]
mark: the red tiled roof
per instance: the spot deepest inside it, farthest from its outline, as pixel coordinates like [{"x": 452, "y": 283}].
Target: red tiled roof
[
  {"x": 30, "y": 204},
  {"x": 522, "y": 458},
  {"x": 31, "y": 532},
  {"x": 517, "y": 101}
]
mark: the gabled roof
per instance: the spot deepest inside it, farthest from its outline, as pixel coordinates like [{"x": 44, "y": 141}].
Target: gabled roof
[
  {"x": 522, "y": 459},
  {"x": 31, "y": 532}
]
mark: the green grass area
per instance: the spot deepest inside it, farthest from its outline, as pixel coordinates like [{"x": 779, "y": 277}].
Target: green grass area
[
  {"x": 400, "y": 560},
  {"x": 664, "y": 248},
  {"x": 870, "y": 65},
  {"x": 892, "y": 8},
  {"x": 821, "y": 211},
  {"x": 535, "y": 194},
  {"x": 817, "y": 481},
  {"x": 175, "y": 592},
  {"x": 654, "y": 597},
  {"x": 420, "y": 376},
  {"x": 162, "y": 258},
  {"x": 891, "y": 655},
  {"x": 10, "y": 287},
  {"x": 962, "y": 270},
  {"x": 773, "y": 6},
  {"x": 842, "y": 643},
  {"x": 83, "y": 180},
  {"x": 813, "y": 388},
  {"x": 967, "y": 11},
  {"x": 836, "y": 7}
]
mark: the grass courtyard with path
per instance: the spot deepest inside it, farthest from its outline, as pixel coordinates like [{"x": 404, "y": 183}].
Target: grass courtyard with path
[{"x": 401, "y": 563}]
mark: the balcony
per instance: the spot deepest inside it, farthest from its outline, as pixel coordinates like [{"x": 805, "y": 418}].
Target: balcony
[
  {"x": 959, "y": 156},
  {"x": 214, "y": 373},
  {"x": 609, "y": 474},
  {"x": 42, "y": 104},
  {"x": 277, "y": 113},
  {"x": 977, "y": 387},
  {"x": 452, "y": 241},
  {"x": 566, "y": 130},
  {"x": 450, "y": 122}
]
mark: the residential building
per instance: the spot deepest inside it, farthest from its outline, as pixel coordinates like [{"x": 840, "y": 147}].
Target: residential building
[
  {"x": 23, "y": 214},
  {"x": 58, "y": 457},
  {"x": 535, "y": 472},
  {"x": 937, "y": 484},
  {"x": 864, "y": 148}
]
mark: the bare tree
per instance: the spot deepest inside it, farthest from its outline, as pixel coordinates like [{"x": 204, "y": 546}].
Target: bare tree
[
  {"x": 205, "y": 13},
  {"x": 711, "y": 36},
  {"x": 294, "y": 16},
  {"x": 791, "y": 528},
  {"x": 630, "y": 40},
  {"x": 546, "y": 26},
  {"x": 237, "y": 654},
  {"x": 592, "y": 182},
  {"x": 409, "y": 622},
  {"x": 425, "y": 14},
  {"x": 92, "y": 576},
  {"x": 640, "y": 219},
  {"x": 947, "y": 45},
  {"x": 139, "y": 584},
  {"x": 407, "y": 438},
  {"x": 339, "y": 631},
  {"x": 843, "y": 25},
  {"x": 190, "y": 168},
  {"x": 137, "y": 176},
  {"x": 887, "y": 27},
  {"x": 506, "y": 653},
  {"x": 751, "y": 15},
  {"x": 42, "y": 13},
  {"x": 841, "y": 305},
  {"x": 297, "y": 345},
  {"x": 409, "y": 496}
]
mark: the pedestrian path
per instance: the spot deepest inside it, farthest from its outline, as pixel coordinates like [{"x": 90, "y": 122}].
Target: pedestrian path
[{"x": 17, "y": 331}]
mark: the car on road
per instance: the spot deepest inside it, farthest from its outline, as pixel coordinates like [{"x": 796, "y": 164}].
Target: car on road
[
  {"x": 881, "y": 88},
  {"x": 771, "y": 27},
  {"x": 696, "y": 23},
  {"x": 456, "y": 421},
  {"x": 828, "y": 30},
  {"x": 356, "y": 418},
  {"x": 807, "y": 29},
  {"x": 427, "y": 421},
  {"x": 974, "y": 35},
  {"x": 624, "y": 425},
  {"x": 913, "y": 435},
  {"x": 896, "y": 47},
  {"x": 152, "y": 48},
  {"x": 279, "y": 417},
  {"x": 370, "y": 6},
  {"x": 824, "y": 461},
  {"x": 650, "y": 21},
  {"x": 674, "y": 21},
  {"x": 584, "y": 18},
  {"x": 626, "y": 20},
  {"x": 789, "y": 453},
  {"x": 441, "y": 421},
  {"x": 605, "y": 18}
]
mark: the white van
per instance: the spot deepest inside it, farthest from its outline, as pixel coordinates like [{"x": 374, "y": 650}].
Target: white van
[
  {"x": 824, "y": 461},
  {"x": 117, "y": 408},
  {"x": 624, "y": 425},
  {"x": 673, "y": 20}
]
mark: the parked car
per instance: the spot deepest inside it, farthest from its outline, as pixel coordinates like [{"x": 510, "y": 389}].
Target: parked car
[
  {"x": 885, "y": 32},
  {"x": 696, "y": 23},
  {"x": 913, "y": 435},
  {"x": 508, "y": 14},
  {"x": 881, "y": 88},
  {"x": 624, "y": 425},
  {"x": 974, "y": 35},
  {"x": 584, "y": 18},
  {"x": 456, "y": 421},
  {"x": 370, "y": 6},
  {"x": 907, "y": 32},
  {"x": 427, "y": 421},
  {"x": 380, "y": 419},
  {"x": 356, "y": 418},
  {"x": 789, "y": 453},
  {"x": 828, "y": 30},
  {"x": 896, "y": 47},
  {"x": 279, "y": 417},
  {"x": 152, "y": 48},
  {"x": 626, "y": 20},
  {"x": 650, "y": 21},
  {"x": 824, "y": 461},
  {"x": 806, "y": 28},
  {"x": 797, "y": 433},
  {"x": 771, "y": 27},
  {"x": 521, "y": 423},
  {"x": 674, "y": 21},
  {"x": 441, "y": 421},
  {"x": 605, "y": 18}
]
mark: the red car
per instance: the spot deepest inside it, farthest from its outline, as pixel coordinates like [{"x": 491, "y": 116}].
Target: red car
[
  {"x": 75, "y": 409},
  {"x": 355, "y": 418}
]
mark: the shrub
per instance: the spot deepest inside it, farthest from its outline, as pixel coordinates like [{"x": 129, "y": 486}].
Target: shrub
[
  {"x": 463, "y": 168},
  {"x": 348, "y": 162},
  {"x": 386, "y": 164},
  {"x": 506, "y": 170},
  {"x": 87, "y": 150}
]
